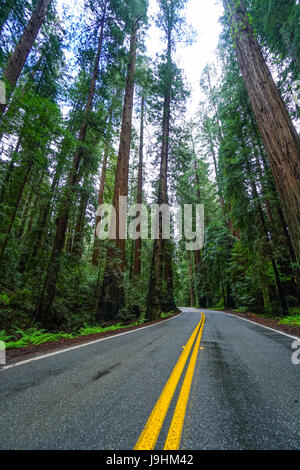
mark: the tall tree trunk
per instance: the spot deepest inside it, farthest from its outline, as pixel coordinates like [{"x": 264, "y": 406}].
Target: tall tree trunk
[
  {"x": 79, "y": 227},
  {"x": 25, "y": 213},
  {"x": 9, "y": 171},
  {"x": 197, "y": 272},
  {"x": 47, "y": 206},
  {"x": 112, "y": 297},
  {"x": 43, "y": 309},
  {"x": 269, "y": 245},
  {"x": 197, "y": 253},
  {"x": 192, "y": 297},
  {"x": 198, "y": 192},
  {"x": 4, "y": 13},
  {"x": 139, "y": 198},
  {"x": 96, "y": 247},
  {"x": 155, "y": 294},
  {"x": 17, "y": 61},
  {"x": 270, "y": 185},
  {"x": 28, "y": 211},
  {"x": 290, "y": 270},
  {"x": 168, "y": 301},
  {"x": 15, "y": 209},
  {"x": 278, "y": 132},
  {"x": 95, "y": 258}
]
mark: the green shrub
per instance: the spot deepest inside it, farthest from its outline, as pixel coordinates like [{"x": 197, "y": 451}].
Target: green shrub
[{"x": 4, "y": 299}]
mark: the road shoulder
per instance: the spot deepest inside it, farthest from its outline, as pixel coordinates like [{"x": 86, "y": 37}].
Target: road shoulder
[
  {"x": 266, "y": 322},
  {"x": 14, "y": 356}
]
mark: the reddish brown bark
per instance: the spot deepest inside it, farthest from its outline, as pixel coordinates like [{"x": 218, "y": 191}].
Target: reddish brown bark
[
  {"x": 95, "y": 258},
  {"x": 139, "y": 198},
  {"x": 15, "y": 208},
  {"x": 192, "y": 297},
  {"x": 278, "y": 132},
  {"x": 157, "y": 299},
  {"x": 112, "y": 297},
  {"x": 24, "y": 46},
  {"x": 282, "y": 222},
  {"x": 154, "y": 304},
  {"x": 48, "y": 294},
  {"x": 121, "y": 181},
  {"x": 269, "y": 245},
  {"x": 77, "y": 246}
]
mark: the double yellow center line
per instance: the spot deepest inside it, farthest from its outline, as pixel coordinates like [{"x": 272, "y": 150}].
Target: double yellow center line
[{"x": 149, "y": 436}]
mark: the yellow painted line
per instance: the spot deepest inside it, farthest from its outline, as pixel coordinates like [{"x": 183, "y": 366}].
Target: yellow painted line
[
  {"x": 150, "y": 433},
  {"x": 175, "y": 430}
]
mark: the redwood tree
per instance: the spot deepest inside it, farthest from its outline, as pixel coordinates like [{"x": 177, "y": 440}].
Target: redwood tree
[
  {"x": 18, "y": 58},
  {"x": 279, "y": 135},
  {"x": 49, "y": 289},
  {"x": 139, "y": 198},
  {"x": 161, "y": 265},
  {"x": 112, "y": 297}
]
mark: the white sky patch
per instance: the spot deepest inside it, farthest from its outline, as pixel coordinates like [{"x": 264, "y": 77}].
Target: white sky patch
[
  {"x": 72, "y": 7},
  {"x": 203, "y": 16}
]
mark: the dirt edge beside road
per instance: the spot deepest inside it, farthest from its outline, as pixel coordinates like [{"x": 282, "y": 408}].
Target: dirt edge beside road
[
  {"x": 270, "y": 322},
  {"x": 15, "y": 355}
]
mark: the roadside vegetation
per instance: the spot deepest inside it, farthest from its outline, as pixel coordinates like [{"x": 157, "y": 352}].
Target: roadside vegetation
[{"x": 33, "y": 336}]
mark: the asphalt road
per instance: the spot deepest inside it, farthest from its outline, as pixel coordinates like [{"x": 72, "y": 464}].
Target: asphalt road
[{"x": 245, "y": 391}]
